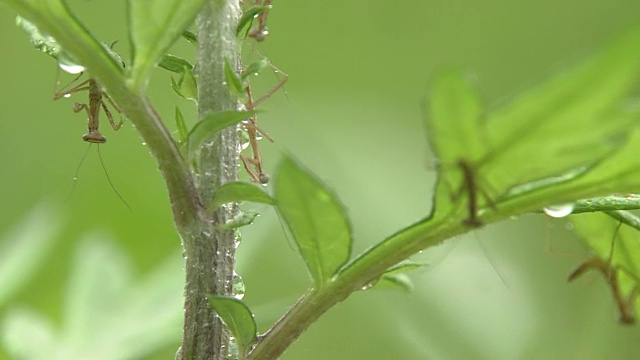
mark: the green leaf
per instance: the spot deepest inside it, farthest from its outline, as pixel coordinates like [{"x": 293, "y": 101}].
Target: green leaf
[
  {"x": 183, "y": 133},
  {"x": 244, "y": 25},
  {"x": 212, "y": 124},
  {"x": 578, "y": 117},
  {"x": 316, "y": 219},
  {"x": 240, "y": 191},
  {"x": 404, "y": 267},
  {"x": 253, "y": 69},
  {"x": 174, "y": 64},
  {"x": 234, "y": 83},
  {"x": 397, "y": 281},
  {"x": 244, "y": 218},
  {"x": 154, "y": 25},
  {"x": 569, "y": 138},
  {"x": 186, "y": 87},
  {"x": 238, "y": 318},
  {"x": 396, "y": 277},
  {"x": 454, "y": 132},
  {"x": 190, "y": 37}
]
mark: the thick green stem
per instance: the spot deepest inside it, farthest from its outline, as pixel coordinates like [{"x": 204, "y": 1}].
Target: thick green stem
[{"x": 209, "y": 252}]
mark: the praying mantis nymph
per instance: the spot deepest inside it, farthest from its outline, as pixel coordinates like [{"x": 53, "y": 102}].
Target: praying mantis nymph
[
  {"x": 253, "y": 165},
  {"x": 97, "y": 99},
  {"x": 96, "y": 102}
]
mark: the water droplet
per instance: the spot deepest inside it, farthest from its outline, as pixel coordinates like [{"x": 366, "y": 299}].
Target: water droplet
[
  {"x": 71, "y": 68},
  {"x": 66, "y": 96},
  {"x": 238, "y": 287},
  {"x": 144, "y": 143},
  {"x": 367, "y": 286},
  {"x": 559, "y": 211}
]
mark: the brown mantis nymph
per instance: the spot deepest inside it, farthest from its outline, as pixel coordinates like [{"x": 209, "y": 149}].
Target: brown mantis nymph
[{"x": 97, "y": 99}]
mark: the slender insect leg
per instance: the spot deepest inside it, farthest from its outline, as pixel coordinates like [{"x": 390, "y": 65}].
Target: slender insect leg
[
  {"x": 104, "y": 95},
  {"x": 78, "y": 88},
  {"x": 250, "y": 125},
  {"x": 110, "y": 117},
  {"x": 626, "y": 306},
  {"x": 273, "y": 90}
]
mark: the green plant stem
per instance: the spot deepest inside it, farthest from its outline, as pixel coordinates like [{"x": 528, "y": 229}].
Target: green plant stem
[
  {"x": 210, "y": 252},
  {"x": 365, "y": 269}
]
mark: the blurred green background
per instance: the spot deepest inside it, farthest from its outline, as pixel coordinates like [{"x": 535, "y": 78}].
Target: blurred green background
[{"x": 351, "y": 112}]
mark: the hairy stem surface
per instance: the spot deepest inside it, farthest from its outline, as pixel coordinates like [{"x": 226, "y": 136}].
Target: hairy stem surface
[{"x": 209, "y": 252}]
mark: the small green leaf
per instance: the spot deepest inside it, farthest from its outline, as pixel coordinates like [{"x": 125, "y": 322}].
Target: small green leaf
[
  {"x": 244, "y": 218},
  {"x": 244, "y": 25},
  {"x": 240, "y": 191},
  {"x": 174, "y": 64},
  {"x": 186, "y": 87},
  {"x": 233, "y": 81},
  {"x": 404, "y": 267},
  {"x": 253, "y": 69},
  {"x": 183, "y": 133},
  {"x": 316, "y": 219},
  {"x": 190, "y": 37},
  {"x": 213, "y": 123},
  {"x": 154, "y": 26},
  {"x": 396, "y": 276},
  {"x": 397, "y": 281},
  {"x": 238, "y": 318}
]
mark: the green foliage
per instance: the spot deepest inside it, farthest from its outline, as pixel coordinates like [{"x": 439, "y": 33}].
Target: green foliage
[
  {"x": 316, "y": 219},
  {"x": 174, "y": 63},
  {"x": 186, "y": 87},
  {"x": 567, "y": 139},
  {"x": 154, "y": 27},
  {"x": 183, "y": 132},
  {"x": 106, "y": 315},
  {"x": 213, "y": 123},
  {"x": 238, "y": 318},
  {"x": 396, "y": 277},
  {"x": 236, "y": 86},
  {"x": 575, "y": 124},
  {"x": 240, "y": 191}
]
